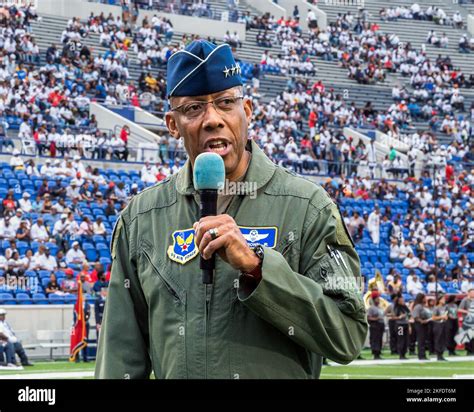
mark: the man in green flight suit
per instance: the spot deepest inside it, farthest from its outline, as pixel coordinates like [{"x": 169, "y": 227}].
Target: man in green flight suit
[{"x": 285, "y": 287}]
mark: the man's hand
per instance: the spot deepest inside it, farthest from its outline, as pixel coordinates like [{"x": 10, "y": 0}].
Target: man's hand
[{"x": 230, "y": 244}]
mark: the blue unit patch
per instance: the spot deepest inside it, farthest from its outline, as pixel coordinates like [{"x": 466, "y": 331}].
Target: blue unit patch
[
  {"x": 183, "y": 248},
  {"x": 264, "y": 236}
]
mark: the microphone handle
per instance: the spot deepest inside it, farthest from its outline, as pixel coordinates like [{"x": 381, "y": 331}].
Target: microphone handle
[{"x": 208, "y": 207}]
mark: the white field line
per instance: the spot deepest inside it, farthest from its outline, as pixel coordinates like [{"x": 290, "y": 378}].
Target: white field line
[
  {"x": 50, "y": 375},
  {"x": 404, "y": 362},
  {"x": 362, "y": 376}
]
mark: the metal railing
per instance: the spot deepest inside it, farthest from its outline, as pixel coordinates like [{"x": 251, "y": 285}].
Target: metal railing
[
  {"x": 230, "y": 14},
  {"x": 163, "y": 154}
]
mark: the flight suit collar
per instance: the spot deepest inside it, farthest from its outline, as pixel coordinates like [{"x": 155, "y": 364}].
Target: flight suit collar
[{"x": 261, "y": 170}]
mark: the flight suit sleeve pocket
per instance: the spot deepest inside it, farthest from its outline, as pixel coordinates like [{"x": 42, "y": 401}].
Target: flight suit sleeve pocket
[
  {"x": 334, "y": 274},
  {"x": 289, "y": 248}
]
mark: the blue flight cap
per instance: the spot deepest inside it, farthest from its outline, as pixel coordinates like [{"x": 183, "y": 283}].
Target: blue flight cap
[{"x": 202, "y": 68}]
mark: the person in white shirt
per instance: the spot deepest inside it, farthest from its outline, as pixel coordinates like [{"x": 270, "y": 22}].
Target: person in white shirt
[
  {"x": 46, "y": 169},
  {"x": 431, "y": 285},
  {"x": 16, "y": 162},
  {"x": 25, "y": 203},
  {"x": 98, "y": 227},
  {"x": 85, "y": 228},
  {"x": 39, "y": 232},
  {"x": 414, "y": 285},
  {"x": 46, "y": 261},
  {"x": 75, "y": 255},
  {"x": 411, "y": 261},
  {"x": 405, "y": 249},
  {"x": 16, "y": 219},
  {"x": 3, "y": 262},
  {"x": 73, "y": 190},
  {"x": 394, "y": 250},
  {"x": 15, "y": 344},
  {"x": 373, "y": 225},
  {"x": 442, "y": 254},
  {"x": 6, "y": 230},
  {"x": 445, "y": 202}
]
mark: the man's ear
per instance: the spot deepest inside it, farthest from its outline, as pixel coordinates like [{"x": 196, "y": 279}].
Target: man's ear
[
  {"x": 248, "y": 108},
  {"x": 172, "y": 125}
]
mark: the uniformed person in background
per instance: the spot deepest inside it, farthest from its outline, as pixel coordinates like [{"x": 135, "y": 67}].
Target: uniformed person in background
[
  {"x": 284, "y": 292},
  {"x": 375, "y": 316},
  {"x": 464, "y": 307},
  {"x": 430, "y": 345},
  {"x": 440, "y": 317},
  {"x": 422, "y": 316},
  {"x": 401, "y": 316},
  {"x": 392, "y": 325},
  {"x": 452, "y": 324},
  {"x": 99, "y": 306}
]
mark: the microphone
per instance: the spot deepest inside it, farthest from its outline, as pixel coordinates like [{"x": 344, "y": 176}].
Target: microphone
[{"x": 208, "y": 176}]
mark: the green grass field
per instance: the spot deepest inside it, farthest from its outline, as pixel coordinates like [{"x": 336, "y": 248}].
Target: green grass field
[{"x": 450, "y": 369}]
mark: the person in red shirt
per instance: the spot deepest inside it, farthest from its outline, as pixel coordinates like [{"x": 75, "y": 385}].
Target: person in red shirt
[
  {"x": 85, "y": 272},
  {"x": 319, "y": 86},
  {"x": 313, "y": 118},
  {"x": 124, "y": 134},
  {"x": 449, "y": 172},
  {"x": 160, "y": 175},
  {"x": 55, "y": 98},
  {"x": 97, "y": 271}
]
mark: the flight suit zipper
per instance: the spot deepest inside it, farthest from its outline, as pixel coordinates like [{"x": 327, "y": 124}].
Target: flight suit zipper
[{"x": 207, "y": 299}]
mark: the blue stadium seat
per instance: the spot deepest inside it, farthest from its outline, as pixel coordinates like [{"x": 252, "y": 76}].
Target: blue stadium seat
[
  {"x": 7, "y": 299},
  {"x": 55, "y": 299},
  {"x": 24, "y": 299},
  {"x": 105, "y": 261},
  {"x": 91, "y": 255},
  {"x": 40, "y": 299},
  {"x": 68, "y": 299},
  {"x": 31, "y": 273},
  {"x": 44, "y": 274}
]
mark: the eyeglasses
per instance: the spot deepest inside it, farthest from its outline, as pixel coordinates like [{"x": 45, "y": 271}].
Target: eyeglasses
[{"x": 193, "y": 110}]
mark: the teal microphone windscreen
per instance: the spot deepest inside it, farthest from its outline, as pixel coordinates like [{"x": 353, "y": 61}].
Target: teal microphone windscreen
[{"x": 209, "y": 171}]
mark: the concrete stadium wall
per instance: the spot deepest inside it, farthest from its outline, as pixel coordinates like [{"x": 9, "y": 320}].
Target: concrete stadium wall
[
  {"x": 185, "y": 24},
  {"x": 381, "y": 149},
  {"x": 267, "y": 6},
  {"x": 149, "y": 120},
  {"x": 143, "y": 143},
  {"x": 107, "y": 119},
  {"x": 470, "y": 24}
]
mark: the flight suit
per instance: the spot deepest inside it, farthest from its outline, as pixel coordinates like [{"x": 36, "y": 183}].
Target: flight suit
[{"x": 160, "y": 317}]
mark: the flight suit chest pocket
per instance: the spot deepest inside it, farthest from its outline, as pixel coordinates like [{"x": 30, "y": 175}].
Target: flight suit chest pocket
[{"x": 154, "y": 266}]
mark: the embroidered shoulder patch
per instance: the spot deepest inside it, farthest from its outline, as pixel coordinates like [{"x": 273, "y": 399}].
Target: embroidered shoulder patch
[
  {"x": 183, "y": 248},
  {"x": 265, "y": 236}
]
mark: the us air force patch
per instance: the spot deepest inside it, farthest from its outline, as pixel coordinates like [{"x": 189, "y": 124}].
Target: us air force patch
[
  {"x": 183, "y": 248},
  {"x": 264, "y": 236}
]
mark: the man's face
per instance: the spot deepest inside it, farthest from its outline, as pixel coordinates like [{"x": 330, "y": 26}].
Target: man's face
[{"x": 202, "y": 133}]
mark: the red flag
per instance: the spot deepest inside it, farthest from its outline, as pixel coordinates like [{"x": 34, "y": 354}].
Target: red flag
[{"x": 78, "y": 331}]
